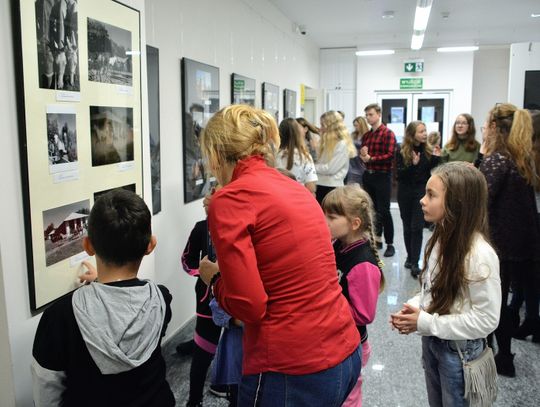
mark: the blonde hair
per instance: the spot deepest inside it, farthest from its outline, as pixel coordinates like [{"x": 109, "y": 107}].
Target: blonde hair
[
  {"x": 239, "y": 131},
  {"x": 513, "y": 138},
  {"x": 352, "y": 202},
  {"x": 364, "y": 128},
  {"x": 408, "y": 143},
  {"x": 334, "y": 131}
]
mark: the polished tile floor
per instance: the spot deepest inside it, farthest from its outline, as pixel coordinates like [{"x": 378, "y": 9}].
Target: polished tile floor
[{"x": 394, "y": 376}]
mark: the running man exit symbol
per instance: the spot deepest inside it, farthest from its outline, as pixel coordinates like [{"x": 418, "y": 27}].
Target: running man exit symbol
[{"x": 414, "y": 66}]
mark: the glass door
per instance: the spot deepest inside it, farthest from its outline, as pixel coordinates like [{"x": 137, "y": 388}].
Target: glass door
[
  {"x": 432, "y": 109},
  {"x": 396, "y": 112}
]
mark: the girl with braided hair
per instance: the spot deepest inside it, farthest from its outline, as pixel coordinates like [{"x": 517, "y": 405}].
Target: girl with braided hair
[{"x": 349, "y": 214}]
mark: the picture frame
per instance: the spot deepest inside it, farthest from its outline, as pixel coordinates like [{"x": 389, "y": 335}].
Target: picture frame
[
  {"x": 152, "y": 70},
  {"x": 78, "y": 136},
  {"x": 200, "y": 101},
  {"x": 242, "y": 90},
  {"x": 289, "y": 103},
  {"x": 270, "y": 99}
]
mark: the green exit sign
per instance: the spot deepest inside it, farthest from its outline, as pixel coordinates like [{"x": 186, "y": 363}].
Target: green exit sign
[
  {"x": 239, "y": 84},
  {"x": 413, "y": 66},
  {"x": 411, "y": 83}
]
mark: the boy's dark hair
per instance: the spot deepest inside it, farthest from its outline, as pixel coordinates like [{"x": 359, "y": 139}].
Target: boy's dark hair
[{"x": 119, "y": 227}]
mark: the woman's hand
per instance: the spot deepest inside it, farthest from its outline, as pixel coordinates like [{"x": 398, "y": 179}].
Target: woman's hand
[
  {"x": 207, "y": 270},
  {"x": 406, "y": 320},
  {"x": 415, "y": 158},
  {"x": 437, "y": 151}
]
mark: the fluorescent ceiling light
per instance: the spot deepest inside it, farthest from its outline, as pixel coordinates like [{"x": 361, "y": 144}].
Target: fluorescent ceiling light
[
  {"x": 457, "y": 49},
  {"x": 375, "y": 52},
  {"x": 535, "y": 15},
  {"x": 417, "y": 41},
  {"x": 421, "y": 16}
]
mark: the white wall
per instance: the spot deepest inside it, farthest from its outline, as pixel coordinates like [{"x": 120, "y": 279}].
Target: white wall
[
  {"x": 490, "y": 81},
  {"x": 250, "y": 39},
  {"x": 523, "y": 57},
  {"x": 441, "y": 72},
  {"x": 254, "y": 40}
]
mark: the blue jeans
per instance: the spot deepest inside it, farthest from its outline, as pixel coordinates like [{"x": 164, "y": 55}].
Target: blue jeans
[
  {"x": 444, "y": 371},
  {"x": 327, "y": 388}
]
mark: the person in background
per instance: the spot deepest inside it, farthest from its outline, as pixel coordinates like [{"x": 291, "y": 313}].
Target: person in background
[
  {"x": 277, "y": 272},
  {"x": 206, "y": 335},
  {"x": 293, "y": 155},
  {"x": 349, "y": 214},
  {"x": 508, "y": 165},
  {"x": 414, "y": 161},
  {"x": 335, "y": 150},
  {"x": 434, "y": 139},
  {"x": 460, "y": 297},
  {"x": 311, "y": 136},
  {"x": 100, "y": 345},
  {"x": 356, "y": 165},
  {"x": 377, "y": 153},
  {"x": 462, "y": 145}
]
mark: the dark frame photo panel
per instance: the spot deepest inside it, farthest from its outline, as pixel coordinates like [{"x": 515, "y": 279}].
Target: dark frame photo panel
[
  {"x": 270, "y": 99},
  {"x": 242, "y": 90},
  {"x": 80, "y": 127},
  {"x": 152, "y": 70},
  {"x": 289, "y": 103},
  {"x": 200, "y": 100}
]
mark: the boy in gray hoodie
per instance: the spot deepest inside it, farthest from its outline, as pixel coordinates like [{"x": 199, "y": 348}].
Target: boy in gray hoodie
[{"x": 101, "y": 344}]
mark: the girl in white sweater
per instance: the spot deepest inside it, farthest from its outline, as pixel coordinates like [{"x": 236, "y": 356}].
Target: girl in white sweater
[
  {"x": 459, "y": 304},
  {"x": 335, "y": 150}
]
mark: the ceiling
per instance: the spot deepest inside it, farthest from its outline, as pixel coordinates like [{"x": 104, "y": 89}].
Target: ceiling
[{"x": 359, "y": 23}]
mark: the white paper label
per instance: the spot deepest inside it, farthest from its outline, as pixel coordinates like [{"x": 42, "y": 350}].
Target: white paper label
[
  {"x": 63, "y": 96},
  {"x": 126, "y": 166},
  {"x": 65, "y": 176},
  {"x": 75, "y": 260},
  {"x": 124, "y": 90}
]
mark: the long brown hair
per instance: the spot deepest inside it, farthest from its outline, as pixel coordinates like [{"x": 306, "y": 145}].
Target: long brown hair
[
  {"x": 407, "y": 146},
  {"x": 291, "y": 139},
  {"x": 513, "y": 138},
  {"x": 465, "y": 216},
  {"x": 470, "y": 142},
  {"x": 352, "y": 201}
]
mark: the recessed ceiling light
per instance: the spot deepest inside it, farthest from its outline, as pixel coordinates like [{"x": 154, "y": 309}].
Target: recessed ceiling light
[
  {"x": 388, "y": 15},
  {"x": 457, "y": 49},
  {"x": 535, "y": 15},
  {"x": 375, "y": 52}
]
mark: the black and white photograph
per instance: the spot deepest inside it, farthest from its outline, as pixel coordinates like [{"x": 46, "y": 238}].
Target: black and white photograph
[
  {"x": 109, "y": 54},
  {"x": 61, "y": 138},
  {"x": 130, "y": 187},
  {"x": 111, "y": 132},
  {"x": 58, "y": 44},
  {"x": 200, "y": 98},
  {"x": 152, "y": 69},
  {"x": 242, "y": 90},
  {"x": 63, "y": 230},
  {"x": 289, "y": 103},
  {"x": 270, "y": 99}
]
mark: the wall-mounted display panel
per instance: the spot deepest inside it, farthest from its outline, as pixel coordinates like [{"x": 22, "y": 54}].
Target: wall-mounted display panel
[
  {"x": 242, "y": 90},
  {"x": 79, "y": 103},
  {"x": 270, "y": 99}
]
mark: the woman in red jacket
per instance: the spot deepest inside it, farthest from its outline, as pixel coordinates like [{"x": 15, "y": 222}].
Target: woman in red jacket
[{"x": 277, "y": 271}]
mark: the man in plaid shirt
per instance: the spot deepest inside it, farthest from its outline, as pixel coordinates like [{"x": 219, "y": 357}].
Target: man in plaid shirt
[{"x": 377, "y": 153}]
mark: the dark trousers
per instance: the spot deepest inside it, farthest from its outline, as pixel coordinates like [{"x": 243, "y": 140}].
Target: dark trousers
[
  {"x": 413, "y": 219},
  {"x": 523, "y": 274},
  {"x": 379, "y": 187},
  {"x": 206, "y": 340},
  {"x": 321, "y": 192}
]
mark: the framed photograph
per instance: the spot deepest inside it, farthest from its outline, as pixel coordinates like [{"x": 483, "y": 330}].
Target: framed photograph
[
  {"x": 79, "y": 104},
  {"x": 152, "y": 71},
  {"x": 270, "y": 99},
  {"x": 242, "y": 90},
  {"x": 289, "y": 103},
  {"x": 200, "y": 100},
  {"x": 57, "y": 44}
]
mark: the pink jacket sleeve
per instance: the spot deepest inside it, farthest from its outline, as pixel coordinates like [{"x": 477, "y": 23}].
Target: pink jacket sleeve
[{"x": 364, "y": 281}]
